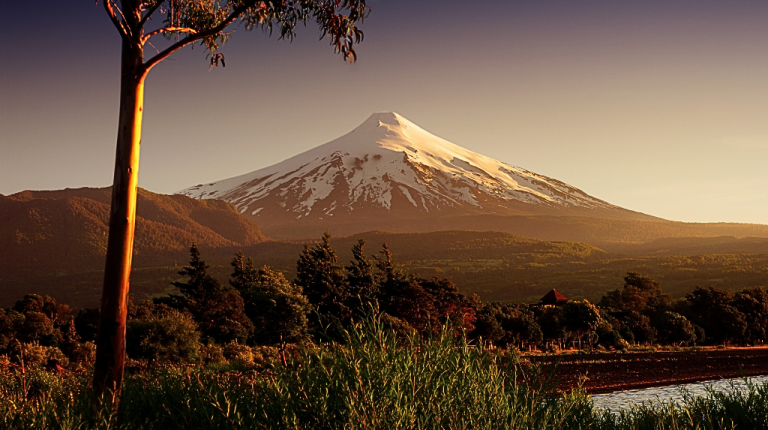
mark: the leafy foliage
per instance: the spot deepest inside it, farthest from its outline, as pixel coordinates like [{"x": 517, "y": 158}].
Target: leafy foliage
[
  {"x": 277, "y": 307},
  {"x": 580, "y": 317},
  {"x": 712, "y": 309},
  {"x": 369, "y": 380},
  {"x": 164, "y": 336},
  {"x": 218, "y": 311},
  {"x": 187, "y": 22}
]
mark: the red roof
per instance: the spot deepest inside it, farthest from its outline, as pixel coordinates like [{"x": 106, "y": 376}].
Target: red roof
[{"x": 553, "y": 297}]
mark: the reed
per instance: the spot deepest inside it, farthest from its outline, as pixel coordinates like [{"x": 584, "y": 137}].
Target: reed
[
  {"x": 369, "y": 380},
  {"x": 733, "y": 409}
]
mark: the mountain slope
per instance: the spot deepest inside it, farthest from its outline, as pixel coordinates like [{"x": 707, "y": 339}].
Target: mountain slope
[
  {"x": 390, "y": 170},
  {"x": 60, "y": 231}
]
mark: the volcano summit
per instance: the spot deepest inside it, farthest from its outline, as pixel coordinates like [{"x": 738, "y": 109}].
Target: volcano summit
[{"x": 390, "y": 174}]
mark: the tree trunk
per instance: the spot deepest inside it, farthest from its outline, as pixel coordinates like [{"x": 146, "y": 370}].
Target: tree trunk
[{"x": 110, "y": 342}]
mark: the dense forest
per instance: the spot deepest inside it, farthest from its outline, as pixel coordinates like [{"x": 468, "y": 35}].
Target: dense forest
[
  {"x": 54, "y": 244},
  {"x": 206, "y": 320},
  {"x": 495, "y": 266}
]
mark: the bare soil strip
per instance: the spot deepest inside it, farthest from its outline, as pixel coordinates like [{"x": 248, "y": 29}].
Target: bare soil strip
[{"x": 607, "y": 372}]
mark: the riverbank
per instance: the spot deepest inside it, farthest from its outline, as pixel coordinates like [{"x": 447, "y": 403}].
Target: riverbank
[
  {"x": 607, "y": 372},
  {"x": 372, "y": 381}
]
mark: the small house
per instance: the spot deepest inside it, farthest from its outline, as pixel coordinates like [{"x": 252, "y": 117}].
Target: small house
[{"x": 553, "y": 298}]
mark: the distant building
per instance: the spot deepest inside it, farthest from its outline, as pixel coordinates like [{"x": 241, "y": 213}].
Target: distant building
[{"x": 553, "y": 298}]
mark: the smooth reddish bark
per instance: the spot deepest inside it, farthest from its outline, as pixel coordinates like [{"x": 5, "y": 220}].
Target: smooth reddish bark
[
  {"x": 129, "y": 22},
  {"x": 110, "y": 341}
]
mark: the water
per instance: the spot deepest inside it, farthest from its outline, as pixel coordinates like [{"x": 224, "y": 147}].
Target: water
[{"x": 623, "y": 400}]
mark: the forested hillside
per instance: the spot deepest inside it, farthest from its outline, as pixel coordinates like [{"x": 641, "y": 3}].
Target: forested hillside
[
  {"x": 54, "y": 243},
  {"x": 61, "y": 233},
  {"x": 496, "y": 266},
  {"x": 611, "y": 235}
]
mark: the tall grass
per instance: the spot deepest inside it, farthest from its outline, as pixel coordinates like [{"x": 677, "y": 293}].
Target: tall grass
[
  {"x": 733, "y": 409},
  {"x": 371, "y": 380}
]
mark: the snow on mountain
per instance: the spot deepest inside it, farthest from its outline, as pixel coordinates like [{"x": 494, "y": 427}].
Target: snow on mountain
[{"x": 390, "y": 165}]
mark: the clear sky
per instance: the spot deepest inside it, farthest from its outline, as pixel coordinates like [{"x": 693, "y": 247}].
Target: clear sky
[{"x": 656, "y": 106}]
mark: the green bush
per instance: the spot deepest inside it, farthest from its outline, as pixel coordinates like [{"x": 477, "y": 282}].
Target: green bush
[
  {"x": 171, "y": 336},
  {"x": 238, "y": 354},
  {"x": 83, "y": 354},
  {"x": 212, "y": 354},
  {"x": 33, "y": 354}
]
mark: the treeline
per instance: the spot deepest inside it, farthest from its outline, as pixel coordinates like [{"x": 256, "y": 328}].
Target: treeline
[
  {"x": 510, "y": 281},
  {"x": 259, "y": 307},
  {"x": 638, "y": 314}
]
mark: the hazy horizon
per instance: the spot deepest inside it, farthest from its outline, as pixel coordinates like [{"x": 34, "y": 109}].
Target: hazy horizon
[{"x": 657, "y": 107}]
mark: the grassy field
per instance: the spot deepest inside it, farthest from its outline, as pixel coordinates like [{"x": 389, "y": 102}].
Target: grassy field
[{"x": 372, "y": 380}]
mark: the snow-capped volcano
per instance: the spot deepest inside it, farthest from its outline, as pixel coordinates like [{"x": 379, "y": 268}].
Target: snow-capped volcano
[{"x": 390, "y": 167}]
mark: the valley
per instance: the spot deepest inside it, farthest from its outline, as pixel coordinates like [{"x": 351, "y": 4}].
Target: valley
[{"x": 495, "y": 266}]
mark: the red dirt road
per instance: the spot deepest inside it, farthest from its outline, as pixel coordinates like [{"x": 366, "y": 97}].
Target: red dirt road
[{"x": 608, "y": 372}]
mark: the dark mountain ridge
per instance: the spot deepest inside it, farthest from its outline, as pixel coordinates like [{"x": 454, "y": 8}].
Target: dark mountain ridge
[{"x": 66, "y": 231}]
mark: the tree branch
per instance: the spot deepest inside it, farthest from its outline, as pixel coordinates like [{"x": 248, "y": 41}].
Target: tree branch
[
  {"x": 151, "y": 11},
  {"x": 119, "y": 25},
  {"x": 152, "y": 62},
  {"x": 167, "y": 30}
]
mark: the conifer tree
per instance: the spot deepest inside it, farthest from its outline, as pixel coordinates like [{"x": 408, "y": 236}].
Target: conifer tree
[
  {"x": 361, "y": 281},
  {"x": 388, "y": 278},
  {"x": 218, "y": 312},
  {"x": 244, "y": 275},
  {"x": 387, "y": 273},
  {"x": 200, "y": 284},
  {"x": 323, "y": 282}
]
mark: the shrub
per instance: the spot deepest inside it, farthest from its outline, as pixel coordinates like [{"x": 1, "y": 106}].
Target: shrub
[
  {"x": 172, "y": 336},
  {"x": 263, "y": 355},
  {"x": 371, "y": 380},
  {"x": 238, "y": 354},
  {"x": 33, "y": 354},
  {"x": 83, "y": 354},
  {"x": 212, "y": 354}
]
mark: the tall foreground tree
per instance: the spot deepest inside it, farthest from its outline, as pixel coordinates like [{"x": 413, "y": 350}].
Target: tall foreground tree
[{"x": 183, "y": 22}]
